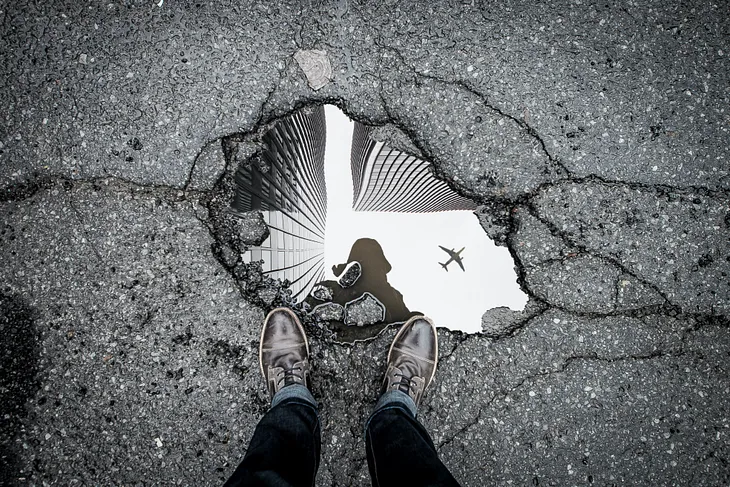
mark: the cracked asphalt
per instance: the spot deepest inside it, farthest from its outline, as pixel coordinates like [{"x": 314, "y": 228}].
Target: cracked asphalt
[{"x": 594, "y": 136}]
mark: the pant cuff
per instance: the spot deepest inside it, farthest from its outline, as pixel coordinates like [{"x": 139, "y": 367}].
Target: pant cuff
[
  {"x": 399, "y": 398},
  {"x": 393, "y": 400},
  {"x": 294, "y": 391}
]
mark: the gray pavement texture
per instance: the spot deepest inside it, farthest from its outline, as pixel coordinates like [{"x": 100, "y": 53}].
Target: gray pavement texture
[{"x": 594, "y": 135}]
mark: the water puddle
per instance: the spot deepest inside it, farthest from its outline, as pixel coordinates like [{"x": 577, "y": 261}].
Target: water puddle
[
  {"x": 286, "y": 183},
  {"x": 365, "y": 234}
]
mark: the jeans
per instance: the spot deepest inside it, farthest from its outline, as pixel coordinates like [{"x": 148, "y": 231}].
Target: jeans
[{"x": 285, "y": 447}]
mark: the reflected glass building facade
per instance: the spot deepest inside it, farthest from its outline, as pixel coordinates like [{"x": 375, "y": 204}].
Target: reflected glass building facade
[
  {"x": 287, "y": 185},
  {"x": 385, "y": 179}
]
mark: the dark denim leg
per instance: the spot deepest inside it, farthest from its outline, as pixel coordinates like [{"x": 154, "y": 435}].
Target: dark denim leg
[
  {"x": 400, "y": 452},
  {"x": 284, "y": 450}
]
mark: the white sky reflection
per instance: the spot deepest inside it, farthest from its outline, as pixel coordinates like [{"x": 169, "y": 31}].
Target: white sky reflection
[{"x": 410, "y": 241}]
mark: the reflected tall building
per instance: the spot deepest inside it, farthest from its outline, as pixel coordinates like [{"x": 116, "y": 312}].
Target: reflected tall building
[
  {"x": 385, "y": 179},
  {"x": 287, "y": 185}
]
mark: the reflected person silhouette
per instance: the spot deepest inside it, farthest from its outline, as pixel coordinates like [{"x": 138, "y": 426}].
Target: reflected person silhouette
[{"x": 373, "y": 279}]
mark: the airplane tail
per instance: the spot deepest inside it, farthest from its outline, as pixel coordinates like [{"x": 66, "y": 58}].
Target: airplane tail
[{"x": 444, "y": 266}]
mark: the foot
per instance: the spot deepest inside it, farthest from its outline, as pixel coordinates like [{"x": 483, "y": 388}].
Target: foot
[
  {"x": 412, "y": 358},
  {"x": 283, "y": 351}
]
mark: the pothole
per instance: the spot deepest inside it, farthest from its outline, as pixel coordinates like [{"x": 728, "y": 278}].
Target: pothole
[{"x": 363, "y": 234}]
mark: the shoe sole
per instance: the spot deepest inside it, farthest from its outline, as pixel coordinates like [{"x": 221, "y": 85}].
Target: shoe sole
[
  {"x": 263, "y": 329},
  {"x": 401, "y": 331}
]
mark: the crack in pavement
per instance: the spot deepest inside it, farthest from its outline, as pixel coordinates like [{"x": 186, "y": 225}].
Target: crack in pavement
[
  {"x": 555, "y": 231},
  {"x": 700, "y": 322},
  {"x": 193, "y": 166},
  {"x": 568, "y": 176},
  {"x": 527, "y": 128},
  {"x": 80, "y": 218},
  {"x": 22, "y": 191},
  {"x": 567, "y": 362}
]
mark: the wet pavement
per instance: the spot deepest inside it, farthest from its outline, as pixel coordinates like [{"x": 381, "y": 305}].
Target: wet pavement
[{"x": 594, "y": 138}]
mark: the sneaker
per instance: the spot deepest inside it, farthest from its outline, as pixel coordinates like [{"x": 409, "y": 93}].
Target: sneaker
[
  {"x": 412, "y": 358},
  {"x": 283, "y": 351}
]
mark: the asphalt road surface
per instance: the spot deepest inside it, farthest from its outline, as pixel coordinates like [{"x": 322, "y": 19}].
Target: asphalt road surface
[{"x": 594, "y": 136}]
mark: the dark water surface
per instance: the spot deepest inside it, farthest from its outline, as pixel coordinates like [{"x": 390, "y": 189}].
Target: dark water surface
[{"x": 374, "y": 280}]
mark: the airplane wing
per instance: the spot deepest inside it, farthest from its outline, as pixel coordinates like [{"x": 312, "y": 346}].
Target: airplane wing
[
  {"x": 458, "y": 261},
  {"x": 448, "y": 251}
]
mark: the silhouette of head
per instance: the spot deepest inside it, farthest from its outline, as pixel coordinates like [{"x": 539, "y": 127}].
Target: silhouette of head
[
  {"x": 373, "y": 280},
  {"x": 370, "y": 254}
]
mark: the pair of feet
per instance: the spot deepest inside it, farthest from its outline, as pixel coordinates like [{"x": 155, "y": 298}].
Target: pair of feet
[{"x": 284, "y": 355}]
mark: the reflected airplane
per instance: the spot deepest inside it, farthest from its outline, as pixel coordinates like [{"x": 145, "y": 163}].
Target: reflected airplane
[{"x": 453, "y": 256}]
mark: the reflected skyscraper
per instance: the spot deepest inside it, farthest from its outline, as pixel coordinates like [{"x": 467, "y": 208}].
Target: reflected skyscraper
[
  {"x": 386, "y": 179},
  {"x": 286, "y": 183}
]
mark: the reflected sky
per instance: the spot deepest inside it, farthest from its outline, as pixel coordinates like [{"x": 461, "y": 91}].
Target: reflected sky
[
  {"x": 305, "y": 183},
  {"x": 410, "y": 242}
]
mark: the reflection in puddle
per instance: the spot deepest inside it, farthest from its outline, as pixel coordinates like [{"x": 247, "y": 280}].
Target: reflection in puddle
[
  {"x": 287, "y": 184},
  {"x": 382, "y": 202},
  {"x": 386, "y": 179},
  {"x": 364, "y": 299}
]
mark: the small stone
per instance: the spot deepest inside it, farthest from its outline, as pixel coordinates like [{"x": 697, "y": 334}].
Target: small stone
[
  {"x": 230, "y": 257},
  {"x": 322, "y": 293},
  {"x": 328, "y": 312},
  {"x": 135, "y": 143},
  {"x": 250, "y": 226},
  {"x": 267, "y": 294},
  {"x": 316, "y": 66},
  {"x": 158, "y": 442},
  {"x": 83, "y": 59},
  {"x": 365, "y": 310},
  {"x": 351, "y": 274}
]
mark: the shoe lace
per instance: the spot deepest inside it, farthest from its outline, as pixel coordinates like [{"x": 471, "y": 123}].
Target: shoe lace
[
  {"x": 288, "y": 375},
  {"x": 405, "y": 381}
]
